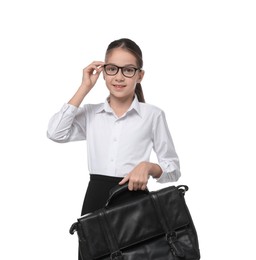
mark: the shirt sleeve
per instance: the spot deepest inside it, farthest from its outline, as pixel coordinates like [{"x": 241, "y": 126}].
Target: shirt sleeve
[
  {"x": 165, "y": 151},
  {"x": 69, "y": 124}
]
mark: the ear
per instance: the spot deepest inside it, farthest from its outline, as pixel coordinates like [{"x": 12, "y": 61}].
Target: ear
[{"x": 141, "y": 75}]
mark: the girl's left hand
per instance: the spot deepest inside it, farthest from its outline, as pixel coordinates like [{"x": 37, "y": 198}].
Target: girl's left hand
[{"x": 138, "y": 177}]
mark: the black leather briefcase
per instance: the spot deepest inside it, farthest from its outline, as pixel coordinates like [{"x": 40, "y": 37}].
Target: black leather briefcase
[{"x": 153, "y": 225}]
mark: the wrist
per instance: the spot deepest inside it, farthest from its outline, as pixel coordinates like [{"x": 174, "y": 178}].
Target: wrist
[
  {"x": 84, "y": 88},
  {"x": 153, "y": 169}
]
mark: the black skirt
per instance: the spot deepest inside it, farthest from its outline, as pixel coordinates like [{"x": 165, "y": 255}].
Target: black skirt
[{"x": 98, "y": 192}]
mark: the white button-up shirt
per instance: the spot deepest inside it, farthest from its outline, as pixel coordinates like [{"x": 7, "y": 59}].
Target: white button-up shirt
[{"x": 115, "y": 145}]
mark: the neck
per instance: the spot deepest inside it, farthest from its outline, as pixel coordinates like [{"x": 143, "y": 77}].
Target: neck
[{"x": 120, "y": 105}]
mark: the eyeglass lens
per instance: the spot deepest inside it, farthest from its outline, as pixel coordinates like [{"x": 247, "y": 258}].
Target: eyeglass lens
[{"x": 113, "y": 70}]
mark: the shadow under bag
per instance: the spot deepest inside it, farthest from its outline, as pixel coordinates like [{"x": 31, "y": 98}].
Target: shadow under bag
[{"x": 139, "y": 225}]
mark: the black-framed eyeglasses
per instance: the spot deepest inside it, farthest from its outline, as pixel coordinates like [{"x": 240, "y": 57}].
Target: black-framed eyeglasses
[{"x": 127, "y": 71}]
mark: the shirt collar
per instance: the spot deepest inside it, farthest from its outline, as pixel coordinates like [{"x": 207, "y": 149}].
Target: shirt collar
[{"x": 106, "y": 107}]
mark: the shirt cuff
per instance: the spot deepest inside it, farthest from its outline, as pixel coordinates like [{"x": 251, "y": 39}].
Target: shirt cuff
[
  {"x": 171, "y": 173},
  {"x": 68, "y": 109}
]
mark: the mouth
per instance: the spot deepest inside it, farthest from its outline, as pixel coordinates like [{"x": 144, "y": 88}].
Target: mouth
[{"x": 119, "y": 86}]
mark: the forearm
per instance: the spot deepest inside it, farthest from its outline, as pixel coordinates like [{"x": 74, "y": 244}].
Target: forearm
[
  {"x": 80, "y": 94},
  {"x": 151, "y": 169}
]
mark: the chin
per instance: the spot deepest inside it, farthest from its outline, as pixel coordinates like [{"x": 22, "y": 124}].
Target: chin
[{"x": 118, "y": 94}]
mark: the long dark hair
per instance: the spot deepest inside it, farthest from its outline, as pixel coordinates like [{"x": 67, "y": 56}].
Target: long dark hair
[{"x": 134, "y": 49}]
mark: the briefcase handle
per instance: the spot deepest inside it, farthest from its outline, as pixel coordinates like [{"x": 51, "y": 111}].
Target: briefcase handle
[{"x": 118, "y": 190}]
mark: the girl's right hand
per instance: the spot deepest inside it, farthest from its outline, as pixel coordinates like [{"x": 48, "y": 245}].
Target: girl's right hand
[{"x": 91, "y": 74}]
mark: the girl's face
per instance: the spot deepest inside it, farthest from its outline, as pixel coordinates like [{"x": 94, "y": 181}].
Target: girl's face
[{"x": 119, "y": 85}]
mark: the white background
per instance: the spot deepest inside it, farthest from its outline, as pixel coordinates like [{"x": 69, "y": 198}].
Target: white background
[{"x": 200, "y": 64}]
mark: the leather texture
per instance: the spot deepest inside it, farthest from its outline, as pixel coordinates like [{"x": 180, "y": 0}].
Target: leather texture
[{"x": 145, "y": 225}]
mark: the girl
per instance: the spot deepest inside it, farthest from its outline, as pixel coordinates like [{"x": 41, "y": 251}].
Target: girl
[{"x": 121, "y": 132}]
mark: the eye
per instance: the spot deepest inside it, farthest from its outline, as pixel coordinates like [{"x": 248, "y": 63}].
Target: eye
[
  {"x": 129, "y": 70},
  {"x": 111, "y": 68}
]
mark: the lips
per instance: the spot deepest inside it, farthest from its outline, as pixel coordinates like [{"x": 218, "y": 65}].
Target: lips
[{"x": 119, "y": 86}]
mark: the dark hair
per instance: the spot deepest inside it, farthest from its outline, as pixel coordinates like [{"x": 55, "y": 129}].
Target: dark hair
[{"x": 133, "y": 48}]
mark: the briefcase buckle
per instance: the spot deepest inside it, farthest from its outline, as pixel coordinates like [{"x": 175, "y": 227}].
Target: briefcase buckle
[
  {"x": 116, "y": 255},
  {"x": 174, "y": 244}
]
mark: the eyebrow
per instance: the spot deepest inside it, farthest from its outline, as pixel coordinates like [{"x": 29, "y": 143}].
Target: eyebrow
[{"x": 126, "y": 65}]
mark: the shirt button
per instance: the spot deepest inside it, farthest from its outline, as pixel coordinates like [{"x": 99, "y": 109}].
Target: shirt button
[{"x": 115, "y": 140}]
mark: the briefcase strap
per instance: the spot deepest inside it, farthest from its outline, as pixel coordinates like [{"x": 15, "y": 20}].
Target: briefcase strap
[
  {"x": 171, "y": 236},
  {"x": 112, "y": 243}
]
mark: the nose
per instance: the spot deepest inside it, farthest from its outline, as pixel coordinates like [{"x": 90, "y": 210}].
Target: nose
[{"x": 119, "y": 75}]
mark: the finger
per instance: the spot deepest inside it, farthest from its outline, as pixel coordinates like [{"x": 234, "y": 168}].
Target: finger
[
  {"x": 144, "y": 187},
  {"x": 98, "y": 63},
  {"x": 124, "y": 180},
  {"x": 136, "y": 186},
  {"x": 131, "y": 185},
  {"x": 97, "y": 71},
  {"x": 94, "y": 67},
  {"x": 94, "y": 70}
]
